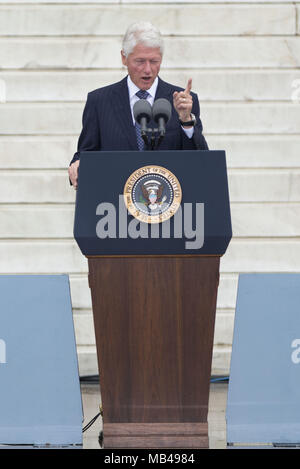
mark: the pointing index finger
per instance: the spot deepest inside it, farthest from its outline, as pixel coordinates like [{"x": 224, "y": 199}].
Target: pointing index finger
[{"x": 188, "y": 86}]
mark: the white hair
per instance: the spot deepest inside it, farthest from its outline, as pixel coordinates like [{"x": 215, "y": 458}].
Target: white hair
[{"x": 142, "y": 33}]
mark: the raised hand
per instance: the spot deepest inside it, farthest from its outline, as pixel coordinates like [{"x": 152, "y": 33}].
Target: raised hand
[{"x": 183, "y": 102}]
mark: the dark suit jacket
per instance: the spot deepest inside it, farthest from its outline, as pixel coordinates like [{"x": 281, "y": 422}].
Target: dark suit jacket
[{"x": 107, "y": 121}]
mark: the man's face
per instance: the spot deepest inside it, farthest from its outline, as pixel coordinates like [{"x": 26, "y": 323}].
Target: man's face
[{"x": 143, "y": 65}]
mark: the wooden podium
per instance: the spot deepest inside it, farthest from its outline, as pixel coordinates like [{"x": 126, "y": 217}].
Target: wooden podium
[{"x": 154, "y": 302}]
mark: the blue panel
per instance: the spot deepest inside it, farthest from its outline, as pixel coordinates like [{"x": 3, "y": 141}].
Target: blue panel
[
  {"x": 264, "y": 388},
  {"x": 40, "y": 400}
]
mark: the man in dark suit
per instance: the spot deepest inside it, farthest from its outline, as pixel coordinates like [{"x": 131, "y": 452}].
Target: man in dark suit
[{"x": 108, "y": 121}]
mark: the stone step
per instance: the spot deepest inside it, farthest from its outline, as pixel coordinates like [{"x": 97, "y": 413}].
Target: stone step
[
  {"x": 265, "y": 185},
  {"x": 84, "y": 329},
  {"x": 81, "y": 294},
  {"x": 218, "y": 118},
  {"x": 62, "y": 20},
  {"x": 180, "y": 52},
  {"x": 87, "y": 360},
  {"x": 56, "y": 221},
  {"x": 250, "y": 118},
  {"x": 242, "y": 151},
  {"x": 48, "y": 186},
  {"x": 30, "y": 152},
  {"x": 254, "y": 151},
  {"x": 210, "y": 85},
  {"x": 221, "y": 360},
  {"x": 255, "y": 255}
]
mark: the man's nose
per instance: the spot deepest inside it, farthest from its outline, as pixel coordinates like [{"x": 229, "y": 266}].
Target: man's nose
[{"x": 147, "y": 68}]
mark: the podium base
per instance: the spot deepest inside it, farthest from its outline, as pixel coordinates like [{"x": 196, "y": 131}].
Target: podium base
[{"x": 156, "y": 435}]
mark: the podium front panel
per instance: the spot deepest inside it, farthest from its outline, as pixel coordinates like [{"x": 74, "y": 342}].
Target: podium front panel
[{"x": 205, "y": 224}]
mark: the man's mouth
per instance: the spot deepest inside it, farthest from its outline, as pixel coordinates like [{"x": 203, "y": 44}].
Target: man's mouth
[{"x": 146, "y": 78}]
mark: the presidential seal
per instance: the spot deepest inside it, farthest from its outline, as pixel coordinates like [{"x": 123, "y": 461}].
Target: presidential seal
[{"x": 152, "y": 194}]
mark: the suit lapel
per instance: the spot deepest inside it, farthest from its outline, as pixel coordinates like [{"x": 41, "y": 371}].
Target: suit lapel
[
  {"x": 123, "y": 113},
  {"x": 164, "y": 90}
]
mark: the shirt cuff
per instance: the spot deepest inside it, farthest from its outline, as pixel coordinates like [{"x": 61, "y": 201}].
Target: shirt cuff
[{"x": 188, "y": 132}]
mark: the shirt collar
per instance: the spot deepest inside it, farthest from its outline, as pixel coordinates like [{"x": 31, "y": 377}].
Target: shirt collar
[{"x": 133, "y": 89}]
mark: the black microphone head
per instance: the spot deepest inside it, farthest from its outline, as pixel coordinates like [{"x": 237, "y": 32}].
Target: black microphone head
[
  {"x": 142, "y": 108},
  {"x": 161, "y": 108}
]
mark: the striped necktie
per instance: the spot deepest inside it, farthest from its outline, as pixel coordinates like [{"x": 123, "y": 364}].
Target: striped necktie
[{"x": 141, "y": 94}]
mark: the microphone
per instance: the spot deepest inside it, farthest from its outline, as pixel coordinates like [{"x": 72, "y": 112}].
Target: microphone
[
  {"x": 142, "y": 112},
  {"x": 161, "y": 111}
]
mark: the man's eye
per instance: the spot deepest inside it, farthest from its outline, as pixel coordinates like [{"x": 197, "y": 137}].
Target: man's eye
[{"x": 142, "y": 62}]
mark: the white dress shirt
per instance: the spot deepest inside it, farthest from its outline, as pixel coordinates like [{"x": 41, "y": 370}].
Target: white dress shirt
[{"x": 133, "y": 89}]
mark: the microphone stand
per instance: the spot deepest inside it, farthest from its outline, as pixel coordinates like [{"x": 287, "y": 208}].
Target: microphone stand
[
  {"x": 153, "y": 145},
  {"x": 144, "y": 130},
  {"x": 161, "y": 130},
  {"x": 153, "y": 139}
]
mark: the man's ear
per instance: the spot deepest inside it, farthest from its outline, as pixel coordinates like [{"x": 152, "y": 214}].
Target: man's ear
[{"x": 124, "y": 59}]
